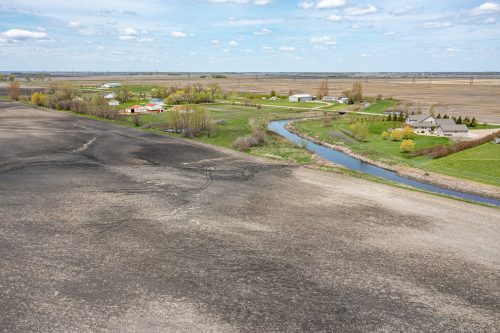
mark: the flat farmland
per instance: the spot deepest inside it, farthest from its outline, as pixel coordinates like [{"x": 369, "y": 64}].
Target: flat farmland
[{"x": 454, "y": 96}]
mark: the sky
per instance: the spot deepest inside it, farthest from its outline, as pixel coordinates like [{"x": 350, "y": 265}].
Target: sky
[{"x": 250, "y": 35}]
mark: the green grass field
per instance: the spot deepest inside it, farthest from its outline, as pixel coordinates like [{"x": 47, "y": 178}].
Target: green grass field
[
  {"x": 380, "y": 106},
  {"x": 282, "y": 102},
  {"x": 374, "y": 147},
  {"x": 480, "y": 163}
]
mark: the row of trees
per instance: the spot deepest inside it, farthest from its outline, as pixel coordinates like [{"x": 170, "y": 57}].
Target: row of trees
[
  {"x": 67, "y": 97},
  {"x": 190, "y": 121},
  {"x": 193, "y": 94}
]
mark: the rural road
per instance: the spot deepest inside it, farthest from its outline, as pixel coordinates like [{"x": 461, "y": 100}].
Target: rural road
[{"x": 111, "y": 229}]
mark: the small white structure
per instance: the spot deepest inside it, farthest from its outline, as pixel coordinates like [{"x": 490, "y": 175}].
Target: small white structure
[
  {"x": 111, "y": 85},
  {"x": 136, "y": 109},
  {"x": 329, "y": 99},
  {"x": 157, "y": 101},
  {"x": 420, "y": 118},
  {"x": 300, "y": 98},
  {"x": 109, "y": 96},
  {"x": 274, "y": 98},
  {"x": 154, "y": 107},
  {"x": 343, "y": 100},
  {"x": 113, "y": 103}
]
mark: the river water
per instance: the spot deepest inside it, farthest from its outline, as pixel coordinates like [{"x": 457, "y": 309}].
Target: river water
[{"x": 353, "y": 163}]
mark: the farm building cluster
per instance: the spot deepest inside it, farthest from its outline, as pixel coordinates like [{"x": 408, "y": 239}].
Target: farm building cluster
[
  {"x": 429, "y": 125},
  {"x": 309, "y": 98}
]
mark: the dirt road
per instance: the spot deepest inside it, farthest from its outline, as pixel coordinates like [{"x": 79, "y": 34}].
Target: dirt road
[{"x": 110, "y": 229}]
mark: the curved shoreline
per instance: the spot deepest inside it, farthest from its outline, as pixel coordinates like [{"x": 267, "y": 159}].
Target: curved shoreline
[{"x": 432, "y": 178}]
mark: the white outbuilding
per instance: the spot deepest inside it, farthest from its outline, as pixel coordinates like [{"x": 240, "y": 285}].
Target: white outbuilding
[{"x": 300, "y": 98}]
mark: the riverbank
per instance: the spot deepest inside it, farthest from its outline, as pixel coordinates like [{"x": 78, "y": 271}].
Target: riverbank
[{"x": 428, "y": 177}]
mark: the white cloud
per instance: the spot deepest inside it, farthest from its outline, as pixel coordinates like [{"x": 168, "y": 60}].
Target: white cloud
[
  {"x": 405, "y": 9},
  {"x": 451, "y": 49},
  {"x": 360, "y": 10},
  {"x": 266, "y": 48},
  {"x": 323, "y": 40},
  {"x": 435, "y": 25},
  {"x": 243, "y": 2},
  {"x": 327, "y": 4},
  {"x": 287, "y": 48},
  {"x": 322, "y": 4},
  {"x": 16, "y": 35},
  {"x": 126, "y": 37},
  {"x": 306, "y": 4},
  {"x": 334, "y": 18},
  {"x": 74, "y": 24},
  {"x": 490, "y": 20},
  {"x": 241, "y": 22},
  {"x": 215, "y": 42},
  {"x": 233, "y": 43},
  {"x": 130, "y": 32},
  {"x": 178, "y": 34},
  {"x": 262, "y": 32},
  {"x": 486, "y": 8}
]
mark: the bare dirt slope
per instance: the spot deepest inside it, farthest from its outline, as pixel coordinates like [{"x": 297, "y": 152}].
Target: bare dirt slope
[{"x": 110, "y": 229}]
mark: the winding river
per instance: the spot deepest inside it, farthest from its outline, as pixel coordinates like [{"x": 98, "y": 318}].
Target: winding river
[{"x": 350, "y": 162}]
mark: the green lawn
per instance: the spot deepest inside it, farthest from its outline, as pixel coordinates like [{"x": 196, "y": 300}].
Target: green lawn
[
  {"x": 480, "y": 163},
  {"x": 374, "y": 147},
  {"x": 282, "y": 102},
  {"x": 380, "y": 106}
]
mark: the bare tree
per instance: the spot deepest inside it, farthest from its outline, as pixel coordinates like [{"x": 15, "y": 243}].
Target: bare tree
[
  {"x": 14, "y": 90},
  {"x": 323, "y": 89}
]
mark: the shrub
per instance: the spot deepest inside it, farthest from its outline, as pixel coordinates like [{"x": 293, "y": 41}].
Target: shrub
[
  {"x": 38, "y": 98},
  {"x": 360, "y": 130},
  {"x": 396, "y": 135},
  {"x": 14, "y": 90},
  {"x": 384, "y": 135},
  {"x": 243, "y": 143},
  {"x": 407, "y": 145},
  {"x": 135, "y": 120},
  {"x": 407, "y": 132},
  {"x": 258, "y": 135}
]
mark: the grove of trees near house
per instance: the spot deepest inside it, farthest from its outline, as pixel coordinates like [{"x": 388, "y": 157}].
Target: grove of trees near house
[{"x": 355, "y": 94}]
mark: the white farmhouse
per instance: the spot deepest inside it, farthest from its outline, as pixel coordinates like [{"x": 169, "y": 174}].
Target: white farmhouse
[
  {"x": 113, "y": 103},
  {"x": 300, "y": 98}
]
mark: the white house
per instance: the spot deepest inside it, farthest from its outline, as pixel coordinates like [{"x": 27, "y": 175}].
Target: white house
[
  {"x": 329, "y": 99},
  {"x": 343, "y": 100},
  {"x": 447, "y": 127},
  {"x": 274, "y": 98},
  {"x": 111, "y": 85},
  {"x": 136, "y": 109},
  {"x": 154, "y": 107},
  {"x": 113, "y": 103},
  {"x": 300, "y": 98},
  {"x": 109, "y": 96}
]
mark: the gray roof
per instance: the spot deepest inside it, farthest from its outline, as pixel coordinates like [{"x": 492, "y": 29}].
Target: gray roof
[
  {"x": 454, "y": 128},
  {"x": 418, "y": 117},
  {"x": 445, "y": 122},
  {"x": 424, "y": 124}
]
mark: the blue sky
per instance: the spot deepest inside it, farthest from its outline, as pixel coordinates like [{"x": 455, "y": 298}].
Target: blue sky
[{"x": 250, "y": 35}]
